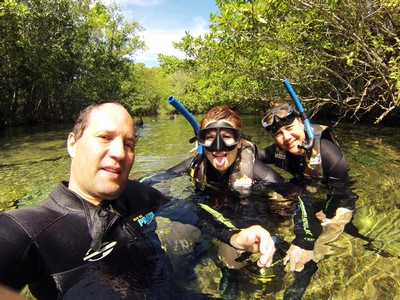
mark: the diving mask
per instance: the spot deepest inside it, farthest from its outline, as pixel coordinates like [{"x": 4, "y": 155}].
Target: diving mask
[
  {"x": 219, "y": 136},
  {"x": 278, "y": 117}
]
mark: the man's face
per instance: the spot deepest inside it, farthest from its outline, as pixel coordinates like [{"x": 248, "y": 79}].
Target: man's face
[
  {"x": 103, "y": 157},
  {"x": 291, "y": 137}
]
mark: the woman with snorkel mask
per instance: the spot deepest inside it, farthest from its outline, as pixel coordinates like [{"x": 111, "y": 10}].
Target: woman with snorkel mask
[
  {"x": 229, "y": 155},
  {"x": 322, "y": 163},
  {"x": 229, "y": 164}
]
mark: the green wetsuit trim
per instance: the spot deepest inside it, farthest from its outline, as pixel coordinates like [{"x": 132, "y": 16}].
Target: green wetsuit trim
[
  {"x": 306, "y": 227},
  {"x": 219, "y": 216}
]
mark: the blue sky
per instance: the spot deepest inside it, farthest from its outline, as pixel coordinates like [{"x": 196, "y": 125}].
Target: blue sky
[{"x": 165, "y": 21}]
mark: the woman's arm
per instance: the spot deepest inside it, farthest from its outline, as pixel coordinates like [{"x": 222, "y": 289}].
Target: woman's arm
[
  {"x": 266, "y": 155},
  {"x": 306, "y": 226},
  {"x": 333, "y": 163}
]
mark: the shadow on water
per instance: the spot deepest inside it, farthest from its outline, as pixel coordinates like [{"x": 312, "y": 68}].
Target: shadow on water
[{"x": 364, "y": 267}]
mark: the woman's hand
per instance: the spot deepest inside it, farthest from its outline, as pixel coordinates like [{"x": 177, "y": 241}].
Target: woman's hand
[{"x": 297, "y": 258}]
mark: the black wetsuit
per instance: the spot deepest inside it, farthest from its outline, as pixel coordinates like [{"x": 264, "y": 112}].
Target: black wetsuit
[
  {"x": 262, "y": 174},
  {"x": 335, "y": 184},
  {"x": 67, "y": 247},
  {"x": 306, "y": 232},
  {"x": 334, "y": 169},
  {"x": 333, "y": 163}
]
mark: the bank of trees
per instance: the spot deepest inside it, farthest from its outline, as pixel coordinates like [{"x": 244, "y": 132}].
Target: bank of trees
[
  {"x": 57, "y": 56},
  {"x": 342, "y": 57}
]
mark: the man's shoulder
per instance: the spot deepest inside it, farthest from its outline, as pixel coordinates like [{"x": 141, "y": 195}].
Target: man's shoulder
[
  {"x": 137, "y": 196},
  {"x": 31, "y": 219},
  {"x": 134, "y": 186}
]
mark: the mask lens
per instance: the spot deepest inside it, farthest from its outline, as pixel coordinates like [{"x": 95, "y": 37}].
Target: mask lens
[
  {"x": 280, "y": 122},
  {"x": 209, "y": 136},
  {"x": 230, "y": 136},
  {"x": 219, "y": 138},
  {"x": 279, "y": 117}
]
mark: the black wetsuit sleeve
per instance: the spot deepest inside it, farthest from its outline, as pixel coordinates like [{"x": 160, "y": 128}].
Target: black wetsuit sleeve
[
  {"x": 17, "y": 263},
  {"x": 181, "y": 168},
  {"x": 209, "y": 225},
  {"x": 333, "y": 163},
  {"x": 306, "y": 226},
  {"x": 200, "y": 215},
  {"x": 266, "y": 155},
  {"x": 336, "y": 176},
  {"x": 265, "y": 174}
]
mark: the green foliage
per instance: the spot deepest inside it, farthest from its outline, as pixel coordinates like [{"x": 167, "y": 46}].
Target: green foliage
[
  {"x": 148, "y": 90},
  {"x": 341, "y": 56},
  {"x": 59, "y": 55}
]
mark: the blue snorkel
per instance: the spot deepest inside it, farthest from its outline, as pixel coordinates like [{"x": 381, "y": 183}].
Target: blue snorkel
[
  {"x": 303, "y": 115},
  {"x": 180, "y": 108}
]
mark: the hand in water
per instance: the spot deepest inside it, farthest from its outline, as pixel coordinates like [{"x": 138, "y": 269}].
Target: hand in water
[
  {"x": 297, "y": 258},
  {"x": 255, "y": 239}
]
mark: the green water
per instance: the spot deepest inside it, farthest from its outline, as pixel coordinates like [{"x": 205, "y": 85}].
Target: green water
[{"x": 33, "y": 160}]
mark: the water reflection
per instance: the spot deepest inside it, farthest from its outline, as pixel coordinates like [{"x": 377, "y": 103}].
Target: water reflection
[{"x": 31, "y": 165}]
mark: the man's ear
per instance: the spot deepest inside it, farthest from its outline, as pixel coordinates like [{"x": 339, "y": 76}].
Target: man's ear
[{"x": 71, "y": 144}]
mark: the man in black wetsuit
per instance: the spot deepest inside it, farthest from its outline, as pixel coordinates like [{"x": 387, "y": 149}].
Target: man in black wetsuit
[{"x": 94, "y": 236}]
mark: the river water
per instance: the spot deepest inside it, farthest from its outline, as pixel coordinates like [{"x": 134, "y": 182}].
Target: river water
[{"x": 33, "y": 160}]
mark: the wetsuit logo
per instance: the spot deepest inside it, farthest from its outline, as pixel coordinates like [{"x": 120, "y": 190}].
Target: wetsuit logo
[
  {"x": 315, "y": 160},
  {"x": 144, "y": 220},
  {"x": 104, "y": 250}
]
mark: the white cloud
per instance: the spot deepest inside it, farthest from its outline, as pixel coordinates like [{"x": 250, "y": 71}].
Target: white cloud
[
  {"x": 200, "y": 26},
  {"x": 160, "y": 41},
  {"x": 162, "y": 26}
]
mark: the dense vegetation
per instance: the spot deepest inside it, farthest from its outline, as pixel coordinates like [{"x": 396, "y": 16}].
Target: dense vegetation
[
  {"x": 341, "y": 56},
  {"x": 57, "y": 56}
]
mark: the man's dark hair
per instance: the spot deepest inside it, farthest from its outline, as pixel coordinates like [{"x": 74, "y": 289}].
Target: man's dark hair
[{"x": 82, "y": 121}]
